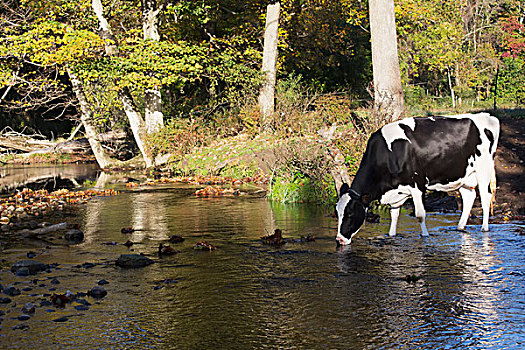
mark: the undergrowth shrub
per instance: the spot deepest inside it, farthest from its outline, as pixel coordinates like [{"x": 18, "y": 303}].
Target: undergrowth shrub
[
  {"x": 299, "y": 189},
  {"x": 316, "y": 127},
  {"x": 302, "y": 173},
  {"x": 178, "y": 137},
  {"x": 309, "y": 129}
]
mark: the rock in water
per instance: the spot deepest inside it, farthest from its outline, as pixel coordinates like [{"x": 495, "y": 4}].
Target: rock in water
[
  {"x": 81, "y": 307},
  {"x": 176, "y": 239},
  {"x": 133, "y": 260},
  {"x": 97, "y": 292},
  {"x": 28, "y": 308},
  {"x": 23, "y": 271},
  {"x": 12, "y": 291},
  {"x": 32, "y": 265},
  {"x": 74, "y": 235}
]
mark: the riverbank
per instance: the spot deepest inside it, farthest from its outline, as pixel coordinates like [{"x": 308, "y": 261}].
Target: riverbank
[
  {"x": 296, "y": 168},
  {"x": 510, "y": 168}
]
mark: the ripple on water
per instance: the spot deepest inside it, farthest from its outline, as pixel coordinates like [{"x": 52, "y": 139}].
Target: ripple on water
[{"x": 466, "y": 289}]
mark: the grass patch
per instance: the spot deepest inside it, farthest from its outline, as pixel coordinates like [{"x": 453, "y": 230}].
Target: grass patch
[
  {"x": 233, "y": 157},
  {"x": 302, "y": 190}
]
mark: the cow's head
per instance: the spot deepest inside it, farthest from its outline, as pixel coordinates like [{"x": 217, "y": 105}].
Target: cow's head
[{"x": 351, "y": 213}]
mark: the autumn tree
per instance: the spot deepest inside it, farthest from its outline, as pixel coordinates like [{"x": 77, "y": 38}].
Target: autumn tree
[
  {"x": 327, "y": 43},
  {"x": 454, "y": 48},
  {"x": 73, "y": 48}
]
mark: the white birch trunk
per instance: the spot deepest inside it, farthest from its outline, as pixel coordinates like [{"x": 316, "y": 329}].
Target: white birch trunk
[
  {"x": 103, "y": 160},
  {"x": 153, "y": 116},
  {"x": 110, "y": 44},
  {"x": 388, "y": 92},
  {"x": 135, "y": 119},
  {"x": 153, "y": 110},
  {"x": 137, "y": 125},
  {"x": 452, "y": 94},
  {"x": 269, "y": 65}
]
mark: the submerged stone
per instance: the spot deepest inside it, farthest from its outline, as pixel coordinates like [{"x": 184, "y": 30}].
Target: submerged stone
[
  {"x": 81, "y": 307},
  {"x": 22, "y": 272},
  {"x": 29, "y": 308},
  {"x": 23, "y": 317},
  {"x": 74, "y": 235},
  {"x": 32, "y": 265},
  {"x": 12, "y": 291},
  {"x": 97, "y": 292},
  {"x": 133, "y": 261}
]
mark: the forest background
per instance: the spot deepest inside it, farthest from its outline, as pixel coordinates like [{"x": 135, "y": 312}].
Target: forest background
[{"x": 183, "y": 77}]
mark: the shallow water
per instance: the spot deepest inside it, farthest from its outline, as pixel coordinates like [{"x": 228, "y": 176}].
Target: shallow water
[{"x": 246, "y": 295}]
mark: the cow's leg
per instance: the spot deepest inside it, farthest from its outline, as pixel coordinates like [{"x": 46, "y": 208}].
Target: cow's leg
[
  {"x": 485, "y": 197},
  {"x": 417, "y": 197},
  {"x": 468, "y": 195},
  {"x": 394, "y": 214},
  {"x": 483, "y": 176}
]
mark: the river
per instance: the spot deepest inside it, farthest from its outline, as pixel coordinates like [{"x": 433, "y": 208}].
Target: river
[{"x": 466, "y": 290}]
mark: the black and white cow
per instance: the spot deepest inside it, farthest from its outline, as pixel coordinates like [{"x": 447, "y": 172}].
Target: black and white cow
[{"x": 408, "y": 157}]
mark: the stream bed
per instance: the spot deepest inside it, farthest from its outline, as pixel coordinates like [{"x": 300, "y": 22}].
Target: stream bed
[{"x": 451, "y": 290}]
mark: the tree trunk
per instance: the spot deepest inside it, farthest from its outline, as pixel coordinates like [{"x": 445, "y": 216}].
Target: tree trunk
[
  {"x": 110, "y": 44},
  {"x": 388, "y": 92},
  {"x": 103, "y": 160},
  {"x": 269, "y": 65},
  {"x": 137, "y": 124},
  {"x": 154, "y": 118},
  {"x": 452, "y": 94},
  {"x": 135, "y": 119},
  {"x": 495, "y": 106}
]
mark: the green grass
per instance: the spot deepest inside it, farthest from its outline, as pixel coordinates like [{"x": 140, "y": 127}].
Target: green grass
[{"x": 302, "y": 190}]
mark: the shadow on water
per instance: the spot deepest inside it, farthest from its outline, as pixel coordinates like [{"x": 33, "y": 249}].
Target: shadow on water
[{"x": 450, "y": 290}]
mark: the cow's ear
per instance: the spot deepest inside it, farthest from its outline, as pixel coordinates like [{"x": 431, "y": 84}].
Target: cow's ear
[
  {"x": 365, "y": 199},
  {"x": 344, "y": 189}
]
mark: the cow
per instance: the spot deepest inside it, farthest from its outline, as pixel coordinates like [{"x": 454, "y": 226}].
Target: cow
[{"x": 408, "y": 157}]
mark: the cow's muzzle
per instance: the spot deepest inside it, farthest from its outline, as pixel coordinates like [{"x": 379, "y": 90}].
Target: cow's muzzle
[{"x": 341, "y": 241}]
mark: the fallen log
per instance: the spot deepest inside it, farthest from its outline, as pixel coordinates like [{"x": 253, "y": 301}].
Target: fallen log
[
  {"x": 29, "y": 145},
  {"x": 43, "y": 230},
  {"x": 23, "y": 144}
]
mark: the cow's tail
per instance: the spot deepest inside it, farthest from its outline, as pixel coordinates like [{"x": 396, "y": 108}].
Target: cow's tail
[{"x": 492, "y": 190}]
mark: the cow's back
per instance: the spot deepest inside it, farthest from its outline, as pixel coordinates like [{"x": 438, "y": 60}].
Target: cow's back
[{"x": 429, "y": 151}]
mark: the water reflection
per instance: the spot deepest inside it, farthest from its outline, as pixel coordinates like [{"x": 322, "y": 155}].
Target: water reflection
[
  {"x": 148, "y": 217},
  {"x": 470, "y": 291},
  {"x": 50, "y": 177}
]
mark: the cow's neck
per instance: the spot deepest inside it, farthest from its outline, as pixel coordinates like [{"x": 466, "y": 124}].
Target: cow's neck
[{"x": 364, "y": 184}]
